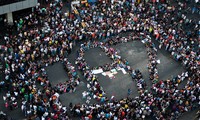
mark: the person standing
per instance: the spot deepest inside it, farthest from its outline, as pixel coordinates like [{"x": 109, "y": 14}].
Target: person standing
[{"x": 129, "y": 92}]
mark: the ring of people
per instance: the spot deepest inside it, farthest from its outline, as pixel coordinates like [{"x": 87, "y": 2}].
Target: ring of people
[{"x": 99, "y": 25}]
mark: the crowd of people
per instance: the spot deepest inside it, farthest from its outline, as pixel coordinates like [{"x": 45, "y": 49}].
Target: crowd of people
[
  {"x": 39, "y": 44},
  {"x": 46, "y": 36}
]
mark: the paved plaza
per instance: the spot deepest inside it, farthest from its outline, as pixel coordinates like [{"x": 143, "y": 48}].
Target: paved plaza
[{"x": 134, "y": 52}]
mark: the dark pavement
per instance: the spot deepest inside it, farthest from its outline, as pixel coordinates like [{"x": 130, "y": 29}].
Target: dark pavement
[
  {"x": 96, "y": 57},
  {"x": 134, "y": 52},
  {"x": 54, "y": 70}
]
